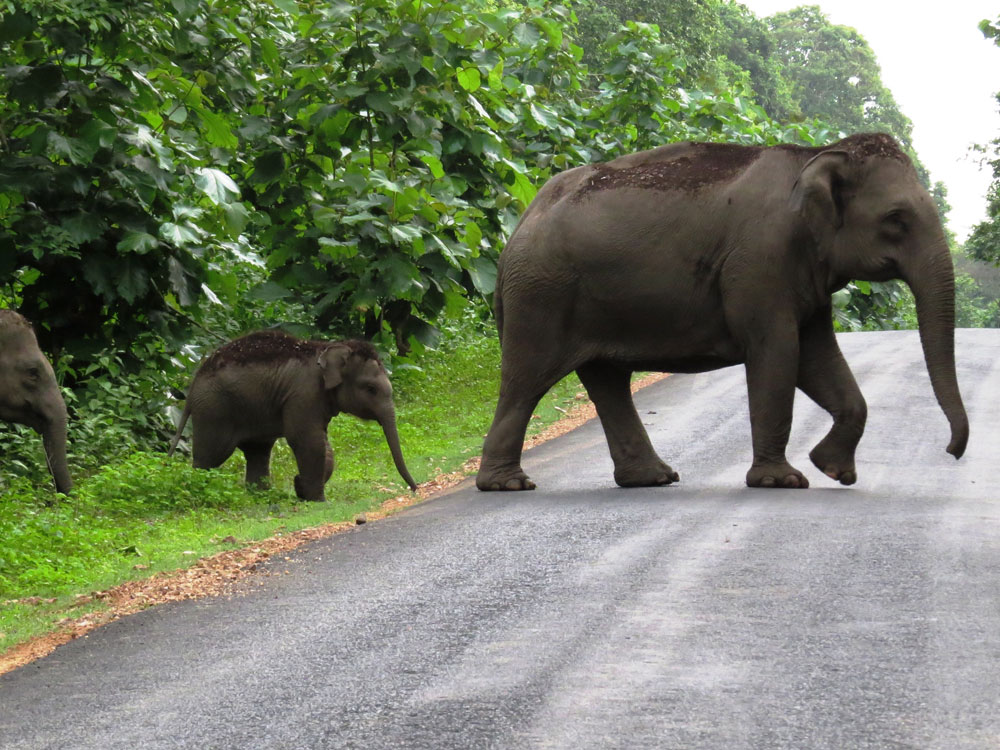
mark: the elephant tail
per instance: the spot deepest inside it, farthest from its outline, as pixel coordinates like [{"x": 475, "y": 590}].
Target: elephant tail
[{"x": 180, "y": 428}]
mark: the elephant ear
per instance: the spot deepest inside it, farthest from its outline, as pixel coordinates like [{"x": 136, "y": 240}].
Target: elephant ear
[
  {"x": 331, "y": 362},
  {"x": 818, "y": 193}
]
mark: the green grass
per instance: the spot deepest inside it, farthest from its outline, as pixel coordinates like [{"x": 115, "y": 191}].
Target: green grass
[{"x": 149, "y": 513}]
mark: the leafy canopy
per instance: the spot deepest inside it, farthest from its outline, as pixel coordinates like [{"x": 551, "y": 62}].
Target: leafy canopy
[{"x": 984, "y": 242}]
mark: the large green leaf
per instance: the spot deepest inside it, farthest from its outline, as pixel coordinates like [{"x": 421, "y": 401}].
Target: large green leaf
[
  {"x": 236, "y": 218},
  {"x": 132, "y": 280},
  {"x": 16, "y": 25},
  {"x": 398, "y": 276},
  {"x": 83, "y": 227},
  {"x": 521, "y": 188},
  {"x": 217, "y": 130},
  {"x": 138, "y": 242},
  {"x": 337, "y": 250},
  {"x": 268, "y": 166},
  {"x": 179, "y": 234},
  {"x": 434, "y": 164},
  {"x": 217, "y": 185},
  {"x": 469, "y": 79},
  {"x": 405, "y": 234},
  {"x": 74, "y": 150},
  {"x": 180, "y": 282},
  {"x": 483, "y": 272}
]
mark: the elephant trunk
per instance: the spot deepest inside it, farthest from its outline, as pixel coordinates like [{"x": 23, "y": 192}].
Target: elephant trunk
[
  {"x": 933, "y": 286},
  {"x": 54, "y": 440},
  {"x": 388, "y": 423}
]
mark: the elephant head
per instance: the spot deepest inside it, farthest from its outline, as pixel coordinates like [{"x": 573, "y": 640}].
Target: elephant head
[
  {"x": 29, "y": 393},
  {"x": 871, "y": 219},
  {"x": 356, "y": 383}
]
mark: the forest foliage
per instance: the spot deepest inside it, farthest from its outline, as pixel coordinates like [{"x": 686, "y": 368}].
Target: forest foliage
[
  {"x": 175, "y": 173},
  {"x": 984, "y": 242}
]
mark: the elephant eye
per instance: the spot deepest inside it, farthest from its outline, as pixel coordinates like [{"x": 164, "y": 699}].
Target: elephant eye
[{"x": 894, "y": 224}]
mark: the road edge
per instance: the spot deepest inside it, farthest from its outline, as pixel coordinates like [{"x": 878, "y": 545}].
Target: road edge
[{"x": 218, "y": 574}]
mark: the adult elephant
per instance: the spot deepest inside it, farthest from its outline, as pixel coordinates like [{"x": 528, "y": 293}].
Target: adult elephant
[
  {"x": 696, "y": 256},
  {"x": 269, "y": 384},
  {"x": 29, "y": 393}
]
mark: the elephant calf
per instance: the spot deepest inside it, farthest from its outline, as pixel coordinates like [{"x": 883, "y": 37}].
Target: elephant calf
[
  {"x": 269, "y": 384},
  {"x": 29, "y": 393}
]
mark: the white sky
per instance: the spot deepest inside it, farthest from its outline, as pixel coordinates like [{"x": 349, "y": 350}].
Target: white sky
[{"x": 944, "y": 75}]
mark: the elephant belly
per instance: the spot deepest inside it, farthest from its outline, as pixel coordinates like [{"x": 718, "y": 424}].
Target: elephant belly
[
  {"x": 657, "y": 331},
  {"x": 231, "y": 416}
]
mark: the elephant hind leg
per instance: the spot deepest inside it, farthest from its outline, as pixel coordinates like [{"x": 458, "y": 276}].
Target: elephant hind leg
[
  {"x": 209, "y": 451},
  {"x": 521, "y": 388},
  {"x": 258, "y": 456},
  {"x": 536, "y": 353},
  {"x": 636, "y": 462}
]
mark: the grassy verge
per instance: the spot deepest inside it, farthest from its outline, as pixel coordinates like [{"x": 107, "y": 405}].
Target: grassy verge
[{"x": 149, "y": 513}]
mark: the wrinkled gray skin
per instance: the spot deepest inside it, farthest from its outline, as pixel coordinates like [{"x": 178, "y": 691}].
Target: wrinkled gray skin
[
  {"x": 267, "y": 385},
  {"x": 29, "y": 394},
  {"x": 692, "y": 257}
]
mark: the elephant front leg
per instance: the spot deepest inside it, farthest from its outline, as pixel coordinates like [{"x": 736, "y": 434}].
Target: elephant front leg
[
  {"x": 825, "y": 377},
  {"x": 636, "y": 462},
  {"x": 311, "y": 456},
  {"x": 772, "y": 369},
  {"x": 258, "y": 458},
  {"x": 328, "y": 462}
]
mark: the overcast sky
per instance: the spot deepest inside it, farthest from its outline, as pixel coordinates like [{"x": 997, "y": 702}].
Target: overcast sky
[{"x": 944, "y": 75}]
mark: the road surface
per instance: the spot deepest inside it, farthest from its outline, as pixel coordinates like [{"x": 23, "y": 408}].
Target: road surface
[{"x": 700, "y": 615}]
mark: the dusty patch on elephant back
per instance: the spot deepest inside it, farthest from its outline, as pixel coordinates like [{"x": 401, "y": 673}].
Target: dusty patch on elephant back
[
  {"x": 261, "y": 347},
  {"x": 700, "y": 165},
  {"x": 870, "y": 145},
  {"x": 703, "y": 164},
  {"x": 276, "y": 346},
  {"x": 363, "y": 349}
]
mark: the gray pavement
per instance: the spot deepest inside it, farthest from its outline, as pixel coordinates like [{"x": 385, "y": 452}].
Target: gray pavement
[{"x": 700, "y": 615}]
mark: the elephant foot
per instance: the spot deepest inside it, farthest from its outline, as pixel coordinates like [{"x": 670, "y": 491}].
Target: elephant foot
[
  {"x": 509, "y": 481},
  {"x": 653, "y": 475},
  {"x": 302, "y": 494},
  {"x": 776, "y": 475},
  {"x": 258, "y": 483},
  {"x": 834, "y": 466}
]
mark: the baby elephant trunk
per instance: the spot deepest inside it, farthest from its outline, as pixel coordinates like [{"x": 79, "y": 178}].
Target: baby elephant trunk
[
  {"x": 54, "y": 439},
  {"x": 392, "y": 438}
]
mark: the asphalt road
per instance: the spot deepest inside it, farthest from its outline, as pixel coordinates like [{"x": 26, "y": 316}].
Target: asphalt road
[{"x": 700, "y": 615}]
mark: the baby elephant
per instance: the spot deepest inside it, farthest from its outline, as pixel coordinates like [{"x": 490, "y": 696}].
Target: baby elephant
[
  {"x": 29, "y": 393},
  {"x": 269, "y": 384}
]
